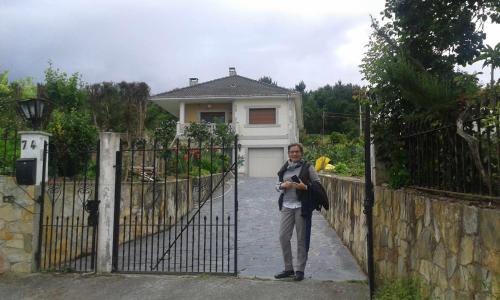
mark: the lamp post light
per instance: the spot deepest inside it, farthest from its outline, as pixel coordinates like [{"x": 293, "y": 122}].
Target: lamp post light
[
  {"x": 35, "y": 110},
  {"x": 31, "y": 168}
]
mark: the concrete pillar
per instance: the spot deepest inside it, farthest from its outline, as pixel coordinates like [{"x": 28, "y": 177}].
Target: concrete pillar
[
  {"x": 182, "y": 113},
  {"x": 109, "y": 144},
  {"x": 32, "y": 147}
]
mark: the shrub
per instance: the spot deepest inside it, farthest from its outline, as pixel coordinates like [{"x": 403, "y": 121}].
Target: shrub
[
  {"x": 73, "y": 136},
  {"x": 338, "y": 138},
  {"x": 401, "y": 289}
]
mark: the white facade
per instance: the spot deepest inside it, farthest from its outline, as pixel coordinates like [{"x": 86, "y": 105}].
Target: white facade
[
  {"x": 279, "y": 135},
  {"x": 235, "y": 96}
]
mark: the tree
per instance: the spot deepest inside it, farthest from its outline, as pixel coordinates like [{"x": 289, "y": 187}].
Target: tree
[
  {"x": 440, "y": 34},
  {"x": 73, "y": 137},
  {"x": 491, "y": 57},
  {"x": 268, "y": 80},
  {"x": 136, "y": 95},
  {"x": 410, "y": 65},
  {"x": 10, "y": 92},
  {"x": 300, "y": 87},
  {"x": 330, "y": 99},
  {"x": 106, "y": 106},
  {"x": 66, "y": 92}
]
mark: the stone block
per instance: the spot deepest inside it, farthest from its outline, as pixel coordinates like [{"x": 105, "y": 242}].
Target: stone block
[
  {"x": 467, "y": 250},
  {"x": 403, "y": 249},
  {"x": 419, "y": 208},
  {"x": 4, "y": 263},
  {"x": 5, "y": 235},
  {"x": 384, "y": 236},
  {"x": 491, "y": 260},
  {"x": 28, "y": 242},
  {"x": 419, "y": 227},
  {"x": 9, "y": 213},
  {"x": 402, "y": 269},
  {"x": 437, "y": 293},
  {"x": 27, "y": 216},
  {"x": 495, "y": 286},
  {"x": 470, "y": 219},
  {"x": 437, "y": 232},
  {"x": 425, "y": 244},
  {"x": 449, "y": 295},
  {"x": 20, "y": 227},
  {"x": 442, "y": 281},
  {"x": 481, "y": 296},
  {"x": 439, "y": 256},
  {"x": 489, "y": 227},
  {"x": 451, "y": 265},
  {"x": 15, "y": 255},
  {"x": 21, "y": 267},
  {"x": 425, "y": 269},
  {"x": 18, "y": 244},
  {"x": 463, "y": 296},
  {"x": 427, "y": 215}
]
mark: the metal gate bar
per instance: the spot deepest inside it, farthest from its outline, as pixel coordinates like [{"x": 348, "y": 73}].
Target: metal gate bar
[
  {"x": 68, "y": 212},
  {"x": 159, "y": 226}
]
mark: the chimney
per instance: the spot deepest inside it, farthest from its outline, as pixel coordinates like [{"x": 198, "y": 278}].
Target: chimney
[
  {"x": 232, "y": 71},
  {"x": 193, "y": 81}
]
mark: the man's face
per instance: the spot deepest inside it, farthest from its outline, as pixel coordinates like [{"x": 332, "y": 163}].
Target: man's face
[{"x": 294, "y": 153}]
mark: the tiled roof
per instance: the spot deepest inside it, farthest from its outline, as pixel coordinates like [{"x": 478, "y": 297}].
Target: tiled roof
[{"x": 227, "y": 86}]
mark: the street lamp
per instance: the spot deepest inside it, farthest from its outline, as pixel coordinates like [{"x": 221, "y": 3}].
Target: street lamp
[{"x": 34, "y": 110}]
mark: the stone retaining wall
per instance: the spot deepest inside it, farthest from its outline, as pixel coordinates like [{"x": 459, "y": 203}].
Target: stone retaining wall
[
  {"x": 16, "y": 226},
  {"x": 65, "y": 240},
  {"x": 452, "y": 246}
]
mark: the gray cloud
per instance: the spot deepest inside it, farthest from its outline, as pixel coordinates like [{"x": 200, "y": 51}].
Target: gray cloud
[{"x": 165, "y": 42}]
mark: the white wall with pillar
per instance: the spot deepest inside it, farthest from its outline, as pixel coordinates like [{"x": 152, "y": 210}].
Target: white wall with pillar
[
  {"x": 109, "y": 144},
  {"x": 32, "y": 143}
]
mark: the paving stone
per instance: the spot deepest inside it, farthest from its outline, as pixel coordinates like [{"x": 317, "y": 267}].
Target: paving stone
[{"x": 258, "y": 230}]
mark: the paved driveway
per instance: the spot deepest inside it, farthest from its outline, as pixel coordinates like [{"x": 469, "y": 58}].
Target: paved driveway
[{"x": 259, "y": 249}]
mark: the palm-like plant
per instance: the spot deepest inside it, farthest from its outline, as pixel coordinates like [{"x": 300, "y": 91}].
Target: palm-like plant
[{"x": 491, "y": 57}]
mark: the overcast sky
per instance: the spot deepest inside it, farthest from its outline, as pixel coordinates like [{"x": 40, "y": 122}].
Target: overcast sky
[{"x": 165, "y": 42}]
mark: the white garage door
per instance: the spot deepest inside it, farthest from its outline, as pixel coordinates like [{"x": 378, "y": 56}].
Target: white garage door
[{"x": 265, "y": 162}]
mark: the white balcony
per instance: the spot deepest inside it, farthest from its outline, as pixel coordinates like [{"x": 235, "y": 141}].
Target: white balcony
[{"x": 181, "y": 128}]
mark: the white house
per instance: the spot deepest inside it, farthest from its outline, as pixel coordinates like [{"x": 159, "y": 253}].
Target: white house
[{"x": 266, "y": 117}]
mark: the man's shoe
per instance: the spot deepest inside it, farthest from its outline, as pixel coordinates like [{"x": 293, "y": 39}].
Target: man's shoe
[
  {"x": 284, "y": 274},
  {"x": 299, "y": 276}
]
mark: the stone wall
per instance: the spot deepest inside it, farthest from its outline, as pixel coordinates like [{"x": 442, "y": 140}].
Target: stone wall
[
  {"x": 451, "y": 245},
  {"x": 65, "y": 234},
  {"x": 16, "y": 226}
]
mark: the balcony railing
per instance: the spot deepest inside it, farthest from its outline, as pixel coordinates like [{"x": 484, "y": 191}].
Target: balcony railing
[{"x": 181, "y": 127}]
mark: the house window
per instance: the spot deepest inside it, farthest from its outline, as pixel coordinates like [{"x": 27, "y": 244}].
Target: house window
[
  {"x": 211, "y": 117},
  {"x": 262, "y": 116}
]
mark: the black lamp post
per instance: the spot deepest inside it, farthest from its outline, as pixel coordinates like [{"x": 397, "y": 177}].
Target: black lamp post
[{"x": 34, "y": 110}]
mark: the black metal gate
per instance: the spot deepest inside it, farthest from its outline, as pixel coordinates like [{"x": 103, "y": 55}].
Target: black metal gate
[
  {"x": 69, "y": 210},
  {"x": 176, "y": 207}
]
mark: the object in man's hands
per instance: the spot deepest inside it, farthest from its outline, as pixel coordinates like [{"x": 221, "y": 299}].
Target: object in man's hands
[{"x": 295, "y": 179}]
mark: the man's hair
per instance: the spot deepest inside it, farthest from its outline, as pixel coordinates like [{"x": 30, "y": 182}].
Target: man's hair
[{"x": 296, "y": 145}]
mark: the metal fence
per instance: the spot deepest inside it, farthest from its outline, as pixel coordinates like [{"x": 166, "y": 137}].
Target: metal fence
[
  {"x": 9, "y": 151},
  {"x": 69, "y": 210},
  {"x": 176, "y": 208},
  {"x": 462, "y": 157}
]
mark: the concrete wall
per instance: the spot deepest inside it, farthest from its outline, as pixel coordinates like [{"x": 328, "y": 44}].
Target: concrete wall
[
  {"x": 16, "y": 227},
  {"x": 451, "y": 245}
]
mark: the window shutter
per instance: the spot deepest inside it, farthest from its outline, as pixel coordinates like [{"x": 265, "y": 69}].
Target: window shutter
[{"x": 262, "y": 116}]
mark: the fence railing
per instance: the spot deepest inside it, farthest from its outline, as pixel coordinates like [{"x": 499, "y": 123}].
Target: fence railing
[
  {"x": 9, "y": 151},
  {"x": 463, "y": 157}
]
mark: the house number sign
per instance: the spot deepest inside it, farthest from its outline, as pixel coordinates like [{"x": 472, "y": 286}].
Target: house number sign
[{"x": 24, "y": 144}]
